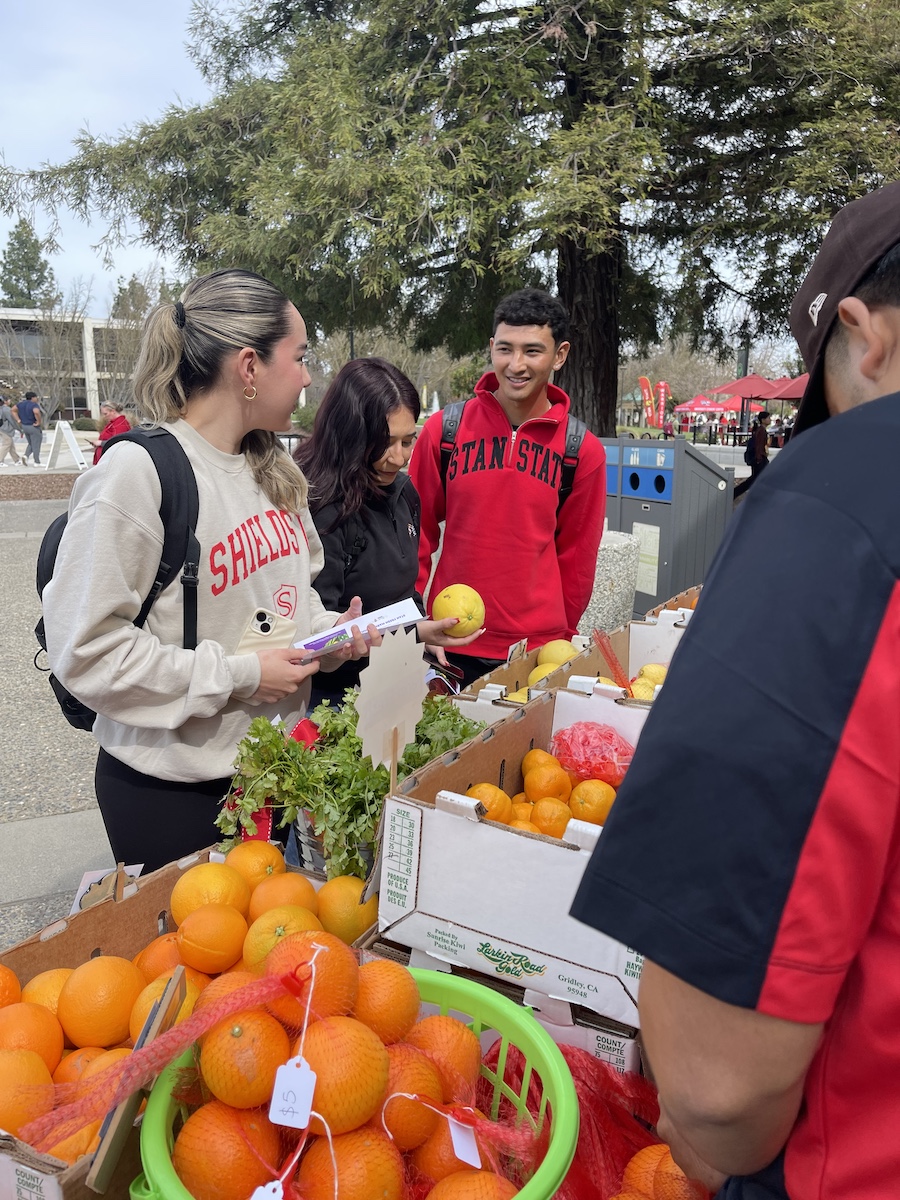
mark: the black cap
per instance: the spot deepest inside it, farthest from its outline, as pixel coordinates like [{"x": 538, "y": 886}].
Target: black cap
[{"x": 861, "y": 233}]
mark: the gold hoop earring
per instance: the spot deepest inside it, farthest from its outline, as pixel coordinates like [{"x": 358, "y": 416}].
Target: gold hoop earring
[{"x": 253, "y": 390}]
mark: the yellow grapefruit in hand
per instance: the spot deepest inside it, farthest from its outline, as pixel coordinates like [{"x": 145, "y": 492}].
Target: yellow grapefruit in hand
[{"x": 463, "y": 602}]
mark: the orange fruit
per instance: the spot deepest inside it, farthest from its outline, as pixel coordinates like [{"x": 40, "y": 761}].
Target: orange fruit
[
  {"x": 351, "y": 1065},
  {"x": 209, "y": 883},
  {"x": 231, "y": 981},
  {"x": 268, "y": 930},
  {"x": 25, "y": 1026},
  {"x": 256, "y": 861},
  {"x": 366, "y": 1162},
  {"x": 240, "y": 1056},
  {"x": 97, "y": 1065},
  {"x": 244, "y": 968},
  {"x": 224, "y": 1153},
  {"x": 436, "y": 1158},
  {"x": 641, "y": 1169},
  {"x": 45, "y": 988},
  {"x": 329, "y": 965},
  {"x": 148, "y": 997},
  {"x": 551, "y": 817},
  {"x": 287, "y": 888},
  {"x": 538, "y": 758},
  {"x": 340, "y": 910},
  {"x": 547, "y": 780},
  {"x": 410, "y": 1122},
  {"x": 10, "y": 991},
  {"x": 26, "y": 1089},
  {"x": 96, "y": 1000},
  {"x": 494, "y": 799},
  {"x": 528, "y": 826},
  {"x": 84, "y": 1141},
  {"x": 72, "y": 1064},
  {"x": 161, "y": 955},
  {"x": 469, "y": 1184},
  {"x": 522, "y": 809},
  {"x": 211, "y": 938},
  {"x": 591, "y": 801},
  {"x": 387, "y": 1000},
  {"x": 455, "y": 1050}
]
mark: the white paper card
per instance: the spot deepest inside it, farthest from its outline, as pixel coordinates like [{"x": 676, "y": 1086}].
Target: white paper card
[
  {"x": 292, "y": 1095},
  {"x": 269, "y": 1191},
  {"x": 465, "y": 1147}
]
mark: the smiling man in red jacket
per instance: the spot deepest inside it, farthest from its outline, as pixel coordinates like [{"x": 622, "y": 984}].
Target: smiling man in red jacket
[{"x": 507, "y": 534}]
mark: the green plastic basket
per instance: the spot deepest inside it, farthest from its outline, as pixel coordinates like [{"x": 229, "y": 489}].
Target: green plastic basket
[{"x": 483, "y": 1010}]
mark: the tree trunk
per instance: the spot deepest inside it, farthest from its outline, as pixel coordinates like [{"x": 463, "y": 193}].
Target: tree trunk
[{"x": 589, "y": 288}]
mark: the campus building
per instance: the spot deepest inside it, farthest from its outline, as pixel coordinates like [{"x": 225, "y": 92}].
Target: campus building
[{"x": 72, "y": 362}]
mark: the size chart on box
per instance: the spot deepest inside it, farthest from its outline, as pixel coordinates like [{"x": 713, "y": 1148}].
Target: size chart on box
[{"x": 401, "y": 856}]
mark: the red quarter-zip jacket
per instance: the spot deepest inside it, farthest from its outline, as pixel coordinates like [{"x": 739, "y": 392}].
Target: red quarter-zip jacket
[{"x": 502, "y": 537}]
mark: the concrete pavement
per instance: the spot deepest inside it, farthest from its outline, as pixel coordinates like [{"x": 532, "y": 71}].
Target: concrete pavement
[{"x": 51, "y": 831}]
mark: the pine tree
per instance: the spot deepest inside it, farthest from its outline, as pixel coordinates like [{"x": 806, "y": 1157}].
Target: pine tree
[{"x": 26, "y": 278}]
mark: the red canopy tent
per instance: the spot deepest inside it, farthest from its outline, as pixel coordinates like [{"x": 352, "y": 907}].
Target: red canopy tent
[
  {"x": 789, "y": 389},
  {"x": 701, "y": 404},
  {"x": 750, "y": 387}
]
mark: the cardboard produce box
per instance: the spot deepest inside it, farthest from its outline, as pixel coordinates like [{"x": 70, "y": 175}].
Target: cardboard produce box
[
  {"x": 686, "y": 599},
  {"x": 635, "y": 644},
  {"x": 468, "y": 891},
  {"x": 568, "y": 1025}
]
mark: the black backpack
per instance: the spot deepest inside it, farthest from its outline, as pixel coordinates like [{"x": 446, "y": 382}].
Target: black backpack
[
  {"x": 178, "y": 510},
  {"x": 451, "y": 416}
]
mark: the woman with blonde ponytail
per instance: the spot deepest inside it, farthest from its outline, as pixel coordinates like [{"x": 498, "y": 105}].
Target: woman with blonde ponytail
[{"x": 220, "y": 370}]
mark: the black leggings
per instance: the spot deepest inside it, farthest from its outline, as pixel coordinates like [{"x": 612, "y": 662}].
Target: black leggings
[{"x": 155, "y": 821}]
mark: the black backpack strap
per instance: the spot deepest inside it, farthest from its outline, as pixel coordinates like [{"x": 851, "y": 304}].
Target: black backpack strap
[
  {"x": 451, "y": 416},
  {"x": 179, "y": 508},
  {"x": 575, "y": 431}
]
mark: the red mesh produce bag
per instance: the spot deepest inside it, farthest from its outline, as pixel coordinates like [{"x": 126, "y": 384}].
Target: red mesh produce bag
[{"x": 593, "y": 751}]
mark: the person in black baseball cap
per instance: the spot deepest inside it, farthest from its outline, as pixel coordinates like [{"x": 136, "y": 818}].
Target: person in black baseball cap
[
  {"x": 759, "y": 876},
  {"x": 856, "y": 259}
]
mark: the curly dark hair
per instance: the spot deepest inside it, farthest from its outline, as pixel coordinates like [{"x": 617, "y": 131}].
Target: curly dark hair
[
  {"x": 351, "y": 432},
  {"x": 531, "y": 306}
]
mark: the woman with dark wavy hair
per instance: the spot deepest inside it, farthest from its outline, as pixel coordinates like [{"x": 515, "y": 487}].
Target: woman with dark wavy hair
[{"x": 365, "y": 507}]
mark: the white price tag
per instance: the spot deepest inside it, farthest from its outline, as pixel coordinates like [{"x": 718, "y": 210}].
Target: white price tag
[
  {"x": 270, "y": 1191},
  {"x": 465, "y": 1146},
  {"x": 292, "y": 1096}
]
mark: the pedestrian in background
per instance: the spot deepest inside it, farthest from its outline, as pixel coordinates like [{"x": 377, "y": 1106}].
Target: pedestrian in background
[
  {"x": 756, "y": 454},
  {"x": 115, "y": 422},
  {"x": 31, "y": 420},
  {"x": 9, "y": 427}
]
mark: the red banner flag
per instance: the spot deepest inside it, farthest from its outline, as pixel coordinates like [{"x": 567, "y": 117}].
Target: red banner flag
[
  {"x": 662, "y": 398},
  {"x": 647, "y": 397}
]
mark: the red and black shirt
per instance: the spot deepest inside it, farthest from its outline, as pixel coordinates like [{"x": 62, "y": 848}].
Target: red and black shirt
[{"x": 754, "y": 848}]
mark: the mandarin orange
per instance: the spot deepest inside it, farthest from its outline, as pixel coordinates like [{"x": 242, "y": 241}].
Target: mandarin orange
[
  {"x": 495, "y": 800},
  {"x": 366, "y": 1162},
  {"x": 551, "y": 817},
  {"x": 351, "y": 1065},
  {"x": 387, "y": 1000},
  {"x": 256, "y": 860},
  {"x": 240, "y": 1057},
  {"x": 287, "y": 888},
  {"x": 591, "y": 801},
  {"x": 224, "y": 1153},
  {"x": 547, "y": 780},
  {"x": 456, "y": 1051}
]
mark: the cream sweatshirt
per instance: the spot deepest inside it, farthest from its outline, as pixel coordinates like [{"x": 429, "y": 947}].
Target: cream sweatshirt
[{"x": 165, "y": 711}]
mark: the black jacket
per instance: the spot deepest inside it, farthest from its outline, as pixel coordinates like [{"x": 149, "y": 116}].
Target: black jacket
[{"x": 373, "y": 555}]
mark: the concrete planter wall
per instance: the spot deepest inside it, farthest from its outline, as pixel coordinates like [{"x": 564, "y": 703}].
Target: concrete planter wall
[{"x": 615, "y": 580}]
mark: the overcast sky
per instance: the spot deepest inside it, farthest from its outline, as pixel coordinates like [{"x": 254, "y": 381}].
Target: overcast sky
[{"x": 103, "y": 66}]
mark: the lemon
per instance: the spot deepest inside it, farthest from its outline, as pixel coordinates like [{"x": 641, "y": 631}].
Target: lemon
[
  {"x": 605, "y": 679},
  {"x": 643, "y": 689},
  {"x": 654, "y": 672},
  {"x": 541, "y": 673},
  {"x": 559, "y": 651},
  {"x": 518, "y": 697}
]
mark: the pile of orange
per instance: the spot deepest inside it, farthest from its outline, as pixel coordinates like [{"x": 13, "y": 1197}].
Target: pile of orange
[
  {"x": 549, "y": 799},
  {"x": 65, "y": 1024},
  {"x": 652, "y": 1174}
]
